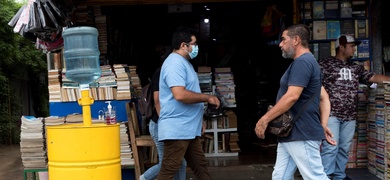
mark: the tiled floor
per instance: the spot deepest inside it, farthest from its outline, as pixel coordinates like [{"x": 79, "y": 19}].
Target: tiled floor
[{"x": 258, "y": 164}]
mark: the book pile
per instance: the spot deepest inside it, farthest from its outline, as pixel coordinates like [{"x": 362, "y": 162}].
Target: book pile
[
  {"x": 359, "y": 8},
  {"x": 205, "y": 78},
  {"x": 231, "y": 119},
  {"x": 371, "y": 131},
  {"x": 135, "y": 81},
  {"x": 225, "y": 86},
  {"x": 69, "y": 89},
  {"x": 74, "y": 118},
  {"x": 107, "y": 78},
  {"x": 126, "y": 153},
  {"x": 233, "y": 142},
  {"x": 306, "y": 10},
  {"x": 345, "y": 9},
  {"x": 362, "y": 115},
  {"x": 54, "y": 85},
  {"x": 123, "y": 81},
  {"x": 358, "y": 149},
  {"x": 32, "y": 145},
  {"x": 53, "y": 121},
  {"x": 377, "y": 158},
  {"x": 107, "y": 84},
  {"x": 386, "y": 135}
]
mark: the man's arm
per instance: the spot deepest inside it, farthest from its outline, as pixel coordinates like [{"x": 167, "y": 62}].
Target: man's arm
[
  {"x": 183, "y": 95},
  {"x": 325, "y": 112},
  {"x": 284, "y": 104},
  {"x": 379, "y": 78},
  {"x": 156, "y": 102}
]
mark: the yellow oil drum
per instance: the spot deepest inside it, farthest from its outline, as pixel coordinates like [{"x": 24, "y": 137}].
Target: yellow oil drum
[{"x": 78, "y": 152}]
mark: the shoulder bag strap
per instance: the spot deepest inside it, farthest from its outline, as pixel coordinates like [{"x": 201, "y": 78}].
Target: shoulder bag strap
[{"x": 304, "y": 107}]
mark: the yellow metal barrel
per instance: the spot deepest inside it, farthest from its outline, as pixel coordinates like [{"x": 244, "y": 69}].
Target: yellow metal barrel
[{"x": 79, "y": 152}]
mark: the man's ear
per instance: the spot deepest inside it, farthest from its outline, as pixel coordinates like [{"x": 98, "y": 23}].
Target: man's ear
[
  {"x": 297, "y": 40},
  {"x": 183, "y": 45},
  {"x": 342, "y": 47}
]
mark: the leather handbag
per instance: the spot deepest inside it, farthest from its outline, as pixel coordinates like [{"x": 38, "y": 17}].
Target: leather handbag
[{"x": 281, "y": 126}]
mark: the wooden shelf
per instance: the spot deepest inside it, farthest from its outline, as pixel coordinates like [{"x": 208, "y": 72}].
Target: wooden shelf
[{"x": 215, "y": 130}]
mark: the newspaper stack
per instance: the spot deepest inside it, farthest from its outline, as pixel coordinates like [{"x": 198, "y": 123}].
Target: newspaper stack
[{"x": 32, "y": 143}]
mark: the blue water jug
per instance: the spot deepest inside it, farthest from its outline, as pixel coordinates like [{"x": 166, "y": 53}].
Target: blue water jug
[{"x": 81, "y": 53}]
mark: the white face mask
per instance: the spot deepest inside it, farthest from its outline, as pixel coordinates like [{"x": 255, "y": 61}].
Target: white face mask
[{"x": 194, "y": 51}]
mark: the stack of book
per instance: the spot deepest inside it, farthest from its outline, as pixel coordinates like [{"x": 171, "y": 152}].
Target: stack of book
[
  {"x": 69, "y": 89},
  {"x": 135, "y": 81},
  {"x": 233, "y": 142},
  {"x": 377, "y": 157},
  {"x": 361, "y": 128},
  {"x": 32, "y": 145},
  {"x": 126, "y": 153},
  {"x": 54, "y": 85},
  {"x": 107, "y": 84},
  {"x": 107, "y": 78},
  {"x": 306, "y": 10},
  {"x": 359, "y": 8},
  {"x": 380, "y": 154},
  {"x": 225, "y": 87},
  {"x": 53, "y": 121},
  {"x": 123, "y": 81},
  {"x": 205, "y": 78},
  {"x": 358, "y": 149},
  {"x": 74, "y": 118},
  {"x": 371, "y": 131}
]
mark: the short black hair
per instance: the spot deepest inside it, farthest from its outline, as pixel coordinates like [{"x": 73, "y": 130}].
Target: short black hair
[{"x": 182, "y": 34}]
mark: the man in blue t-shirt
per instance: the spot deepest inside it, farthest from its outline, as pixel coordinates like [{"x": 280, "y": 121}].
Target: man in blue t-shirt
[
  {"x": 301, "y": 81},
  {"x": 182, "y": 106}
]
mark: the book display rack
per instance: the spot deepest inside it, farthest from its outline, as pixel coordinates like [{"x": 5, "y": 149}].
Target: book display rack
[{"x": 329, "y": 19}]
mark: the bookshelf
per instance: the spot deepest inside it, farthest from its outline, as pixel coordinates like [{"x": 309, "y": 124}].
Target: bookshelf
[
  {"x": 329, "y": 19},
  {"x": 220, "y": 139}
]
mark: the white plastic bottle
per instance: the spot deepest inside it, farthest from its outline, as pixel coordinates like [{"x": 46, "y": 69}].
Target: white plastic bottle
[{"x": 110, "y": 115}]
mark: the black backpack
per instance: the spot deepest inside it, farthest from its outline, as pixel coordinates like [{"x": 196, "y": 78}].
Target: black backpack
[{"x": 146, "y": 102}]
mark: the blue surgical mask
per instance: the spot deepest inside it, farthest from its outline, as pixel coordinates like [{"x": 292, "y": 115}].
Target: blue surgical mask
[{"x": 194, "y": 51}]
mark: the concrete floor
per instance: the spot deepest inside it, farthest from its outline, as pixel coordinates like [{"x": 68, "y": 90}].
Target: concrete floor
[
  {"x": 257, "y": 163},
  {"x": 254, "y": 164}
]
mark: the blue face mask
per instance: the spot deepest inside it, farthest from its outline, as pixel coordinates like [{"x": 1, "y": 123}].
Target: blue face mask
[{"x": 194, "y": 51}]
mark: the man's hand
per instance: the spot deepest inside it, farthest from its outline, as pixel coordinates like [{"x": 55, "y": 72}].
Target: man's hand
[
  {"x": 261, "y": 126},
  {"x": 214, "y": 101},
  {"x": 329, "y": 136}
]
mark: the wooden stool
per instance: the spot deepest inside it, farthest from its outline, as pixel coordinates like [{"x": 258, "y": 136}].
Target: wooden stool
[{"x": 137, "y": 140}]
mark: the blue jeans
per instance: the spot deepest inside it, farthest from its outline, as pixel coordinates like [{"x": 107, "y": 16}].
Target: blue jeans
[
  {"x": 304, "y": 155},
  {"x": 152, "y": 172},
  {"x": 335, "y": 158}
]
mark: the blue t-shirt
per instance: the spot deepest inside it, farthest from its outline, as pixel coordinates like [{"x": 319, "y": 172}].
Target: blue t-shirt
[
  {"x": 178, "y": 120},
  {"x": 304, "y": 71}
]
